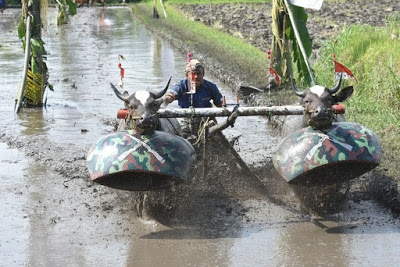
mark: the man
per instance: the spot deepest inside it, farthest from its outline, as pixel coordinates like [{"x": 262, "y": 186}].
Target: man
[
  {"x": 203, "y": 92},
  {"x": 3, "y": 5},
  {"x": 193, "y": 91}
]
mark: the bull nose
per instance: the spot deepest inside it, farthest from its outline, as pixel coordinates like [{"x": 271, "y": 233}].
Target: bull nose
[
  {"x": 321, "y": 111},
  {"x": 146, "y": 119}
]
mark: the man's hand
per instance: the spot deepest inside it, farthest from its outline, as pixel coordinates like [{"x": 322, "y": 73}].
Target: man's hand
[{"x": 166, "y": 100}]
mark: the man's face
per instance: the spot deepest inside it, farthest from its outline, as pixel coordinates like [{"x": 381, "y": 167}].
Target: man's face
[{"x": 197, "y": 75}]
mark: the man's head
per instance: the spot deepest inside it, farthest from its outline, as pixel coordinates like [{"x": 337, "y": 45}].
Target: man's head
[{"x": 196, "y": 70}]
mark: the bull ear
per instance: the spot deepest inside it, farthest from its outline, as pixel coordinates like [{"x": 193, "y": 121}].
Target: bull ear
[
  {"x": 163, "y": 91},
  {"x": 296, "y": 91},
  {"x": 336, "y": 88},
  {"x": 344, "y": 94},
  {"x": 118, "y": 94}
]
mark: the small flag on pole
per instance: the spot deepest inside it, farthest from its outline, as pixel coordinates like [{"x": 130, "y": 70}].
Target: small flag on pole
[
  {"x": 273, "y": 76},
  {"x": 313, "y": 4},
  {"x": 340, "y": 69},
  {"x": 122, "y": 73},
  {"x": 189, "y": 57}
]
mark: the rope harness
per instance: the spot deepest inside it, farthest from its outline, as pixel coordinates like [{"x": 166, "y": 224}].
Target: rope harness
[{"x": 130, "y": 121}]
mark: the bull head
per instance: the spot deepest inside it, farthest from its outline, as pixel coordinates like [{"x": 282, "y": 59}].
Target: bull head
[
  {"x": 142, "y": 106},
  {"x": 318, "y": 101}
]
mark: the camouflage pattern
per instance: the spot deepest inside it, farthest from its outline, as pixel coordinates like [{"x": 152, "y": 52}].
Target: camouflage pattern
[
  {"x": 131, "y": 161},
  {"x": 341, "y": 152}
]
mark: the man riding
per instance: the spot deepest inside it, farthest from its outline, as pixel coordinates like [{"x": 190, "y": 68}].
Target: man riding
[{"x": 193, "y": 91}]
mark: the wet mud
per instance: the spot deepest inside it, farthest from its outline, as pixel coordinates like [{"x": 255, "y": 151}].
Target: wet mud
[{"x": 238, "y": 213}]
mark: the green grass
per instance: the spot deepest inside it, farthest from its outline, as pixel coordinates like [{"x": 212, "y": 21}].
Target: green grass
[{"x": 373, "y": 55}]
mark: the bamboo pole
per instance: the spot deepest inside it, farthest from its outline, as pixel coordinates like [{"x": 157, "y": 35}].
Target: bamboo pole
[
  {"x": 22, "y": 85},
  {"x": 163, "y": 8},
  {"x": 224, "y": 112}
]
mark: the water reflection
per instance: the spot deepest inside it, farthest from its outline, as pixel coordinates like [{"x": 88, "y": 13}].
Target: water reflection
[
  {"x": 104, "y": 23},
  {"x": 33, "y": 122}
]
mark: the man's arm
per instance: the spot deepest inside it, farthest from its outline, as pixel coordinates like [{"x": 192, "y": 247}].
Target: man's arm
[
  {"x": 217, "y": 96},
  {"x": 168, "y": 98}
]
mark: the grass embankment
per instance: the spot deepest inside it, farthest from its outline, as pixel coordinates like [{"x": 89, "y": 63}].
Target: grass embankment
[
  {"x": 230, "y": 54},
  {"x": 372, "y": 54}
]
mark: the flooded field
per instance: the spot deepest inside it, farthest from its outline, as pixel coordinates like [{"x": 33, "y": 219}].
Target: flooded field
[{"x": 53, "y": 215}]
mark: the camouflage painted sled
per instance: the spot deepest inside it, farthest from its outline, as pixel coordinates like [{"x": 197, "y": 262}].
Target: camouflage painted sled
[
  {"x": 341, "y": 152},
  {"x": 131, "y": 161}
]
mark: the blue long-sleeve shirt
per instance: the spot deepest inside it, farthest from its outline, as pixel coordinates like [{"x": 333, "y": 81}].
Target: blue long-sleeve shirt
[{"x": 202, "y": 97}]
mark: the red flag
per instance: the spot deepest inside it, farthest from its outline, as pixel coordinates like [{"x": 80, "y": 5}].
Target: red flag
[
  {"x": 122, "y": 70},
  {"x": 344, "y": 71},
  {"x": 122, "y": 73},
  {"x": 274, "y": 76},
  {"x": 189, "y": 57}
]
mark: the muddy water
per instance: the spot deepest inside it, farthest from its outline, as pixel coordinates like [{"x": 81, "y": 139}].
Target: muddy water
[{"x": 50, "y": 216}]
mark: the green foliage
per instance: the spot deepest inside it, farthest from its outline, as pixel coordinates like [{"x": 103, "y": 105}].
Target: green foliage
[
  {"x": 71, "y": 7},
  {"x": 299, "y": 19},
  {"x": 373, "y": 55},
  {"x": 289, "y": 28},
  {"x": 38, "y": 52},
  {"x": 66, "y": 8},
  {"x": 21, "y": 30},
  {"x": 13, "y": 2}
]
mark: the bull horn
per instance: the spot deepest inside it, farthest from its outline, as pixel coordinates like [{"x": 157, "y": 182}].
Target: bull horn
[
  {"x": 163, "y": 91},
  {"x": 336, "y": 88},
  {"x": 118, "y": 93},
  {"x": 296, "y": 91}
]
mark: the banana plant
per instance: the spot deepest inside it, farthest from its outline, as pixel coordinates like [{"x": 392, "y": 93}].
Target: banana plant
[
  {"x": 66, "y": 8},
  {"x": 34, "y": 78},
  {"x": 291, "y": 41}
]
